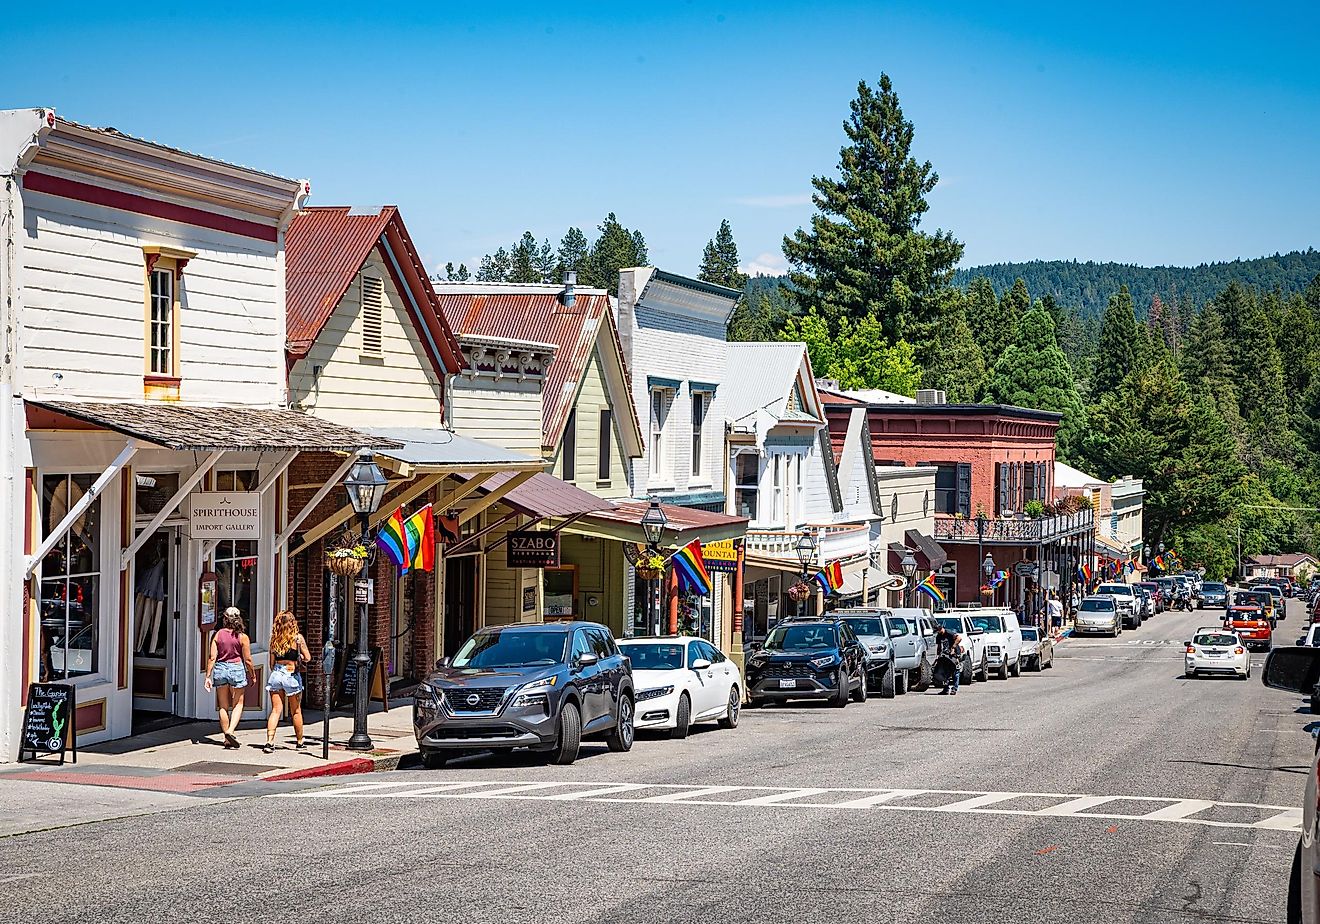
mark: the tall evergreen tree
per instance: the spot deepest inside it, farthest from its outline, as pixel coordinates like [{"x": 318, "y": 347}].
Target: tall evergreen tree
[
  {"x": 522, "y": 261},
  {"x": 574, "y": 248},
  {"x": 1056, "y": 312},
  {"x": 985, "y": 316},
  {"x": 1298, "y": 342},
  {"x": 494, "y": 267},
  {"x": 457, "y": 275},
  {"x": 1013, "y": 304},
  {"x": 719, "y": 261},
  {"x": 1033, "y": 372},
  {"x": 614, "y": 249},
  {"x": 1118, "y": 341},
  {"x": 1258, "y": 370},
  {"x": 949, "y": 358},
  {"x": 1205, "y": 360},
  {"x": 864, "y": 255}
]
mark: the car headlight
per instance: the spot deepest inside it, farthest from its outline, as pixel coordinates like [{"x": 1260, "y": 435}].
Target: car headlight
[
  {"x": 654, "y": 693},
  {"x": 535, "y": 693},
  {"x": 826, "y": 661},
  {"x": 428, "y": 696}
]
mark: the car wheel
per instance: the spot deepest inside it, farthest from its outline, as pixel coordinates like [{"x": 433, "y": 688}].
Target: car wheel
[
  {"x": 1016, "y": 668},
  {"x": 1002, "y": 673},
  {"x": 434, "y": 760},
  {"x": 1190, "y": 675},
  {"x": 901, "y": 683},
  {"x": 968, "y": 675},
  {"x": 621, "y": 739},
  {"x": 730, "y": 719},
  {"x": 569, "y": 740},
  {"x": 840, "y": 689},
  {"x": 859, "y": 695},
  {"x": 1295, "y": 887},
  {"x": 983, "y": 674},
  {"x": 923, "y": 676},
  {"x": 683, "y": 719}
]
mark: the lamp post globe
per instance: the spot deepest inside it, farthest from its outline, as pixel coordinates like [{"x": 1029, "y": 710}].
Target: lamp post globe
[
  {"x": 805, "y": 547},
  {"x": 909, "y": 568},
  {"x": 988, "y": 566},
  {"x": 653, "y": 527},
  {"x": 365, "y": 484}
]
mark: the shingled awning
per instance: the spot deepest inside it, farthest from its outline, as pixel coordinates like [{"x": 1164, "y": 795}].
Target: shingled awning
[{"x": 205, "y": 428}]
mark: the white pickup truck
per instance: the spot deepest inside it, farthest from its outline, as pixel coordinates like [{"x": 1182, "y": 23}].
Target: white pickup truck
[{"x": 976, "y": 664}]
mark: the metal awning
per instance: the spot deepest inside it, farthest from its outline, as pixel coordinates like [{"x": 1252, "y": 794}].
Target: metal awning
[
  {"x": 207, "y": 428},
  {"x": 437, "y": 450},
  {"x": 930, "y": 555},
  {"x": 541, "y": 496},
  {"x": 623, "y": 522},
  {"x": 1111, "y": 547}
]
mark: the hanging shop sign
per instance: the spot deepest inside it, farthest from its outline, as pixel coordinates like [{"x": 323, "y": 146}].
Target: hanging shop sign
[
  {"x": 1025, "y": 569},
  {"x": 720, "y": 556},
  {"x": 225, "y": 515},
  {"x": 529, "y": 548}
]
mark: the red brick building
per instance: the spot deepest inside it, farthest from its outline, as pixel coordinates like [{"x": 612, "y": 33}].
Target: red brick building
[{"x": 992, "y": 462}]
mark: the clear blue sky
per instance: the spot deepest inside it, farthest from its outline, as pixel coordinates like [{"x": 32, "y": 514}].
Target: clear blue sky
[{"x": 1151, "y": 133}]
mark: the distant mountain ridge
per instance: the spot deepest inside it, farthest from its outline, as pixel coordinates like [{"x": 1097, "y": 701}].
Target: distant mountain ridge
[{"x": 1087, "y": 285}]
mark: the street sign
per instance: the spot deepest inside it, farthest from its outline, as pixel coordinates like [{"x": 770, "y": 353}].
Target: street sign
[
  {"x": 530, "y": 548},
  {"x": 1025, "y": 569}
]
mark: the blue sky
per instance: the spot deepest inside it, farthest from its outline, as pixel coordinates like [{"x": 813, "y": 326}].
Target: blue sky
[{"x": 1150, "y": 133}]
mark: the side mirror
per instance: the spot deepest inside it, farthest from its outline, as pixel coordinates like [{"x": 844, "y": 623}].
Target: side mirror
[
  {"x": 1293, "y": 669},
  {"x": 442, "y": 663},
  {"x": 586, "y": 659},
  {"x": 700, "y": 664}
]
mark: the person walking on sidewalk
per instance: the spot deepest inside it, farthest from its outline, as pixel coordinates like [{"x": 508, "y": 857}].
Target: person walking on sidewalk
[
  {"x": 949, "y": 646},
  {"x": 228, "y": 670},
  {"x": 288, "y": 653}
]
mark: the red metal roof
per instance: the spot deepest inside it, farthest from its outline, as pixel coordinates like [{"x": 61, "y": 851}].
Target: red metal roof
[
  {"x": 325, "y": 248},
  {"x": 542, "y": 317},
  {"x": 544, "y": 495},
  {"x": 678, "y": 519}
]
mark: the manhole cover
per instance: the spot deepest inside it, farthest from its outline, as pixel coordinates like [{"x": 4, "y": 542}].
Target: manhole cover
[{"x": 222, "y": 767}]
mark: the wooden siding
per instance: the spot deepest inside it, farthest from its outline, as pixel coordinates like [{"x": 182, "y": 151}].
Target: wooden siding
[
  {"x": 398, "y": 387},
  {"x": 593, "y": 397},
  {"x": 504, "y": 412},
  {"x": 84, "y": 306}
]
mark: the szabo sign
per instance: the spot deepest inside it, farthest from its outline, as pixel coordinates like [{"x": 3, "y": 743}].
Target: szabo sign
[
  {"x": 533, "y": 549},
  {"x": 225, "y": 515}
]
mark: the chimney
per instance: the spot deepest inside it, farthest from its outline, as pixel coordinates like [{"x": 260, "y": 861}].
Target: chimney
[
  {"x": 570, "y": 280},
  {"x": 930, "y": 396}
]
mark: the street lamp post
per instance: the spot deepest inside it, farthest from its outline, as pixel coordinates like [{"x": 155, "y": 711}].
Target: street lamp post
[
  {"x": 366, "y": 485},
  {"x": 909, "y": 566},
  {"x": 981, "y": 522},
  {"x": 988, "y": 566},
  {"x": 806, "y": 554},
  {"x": 653, "y": 526}
]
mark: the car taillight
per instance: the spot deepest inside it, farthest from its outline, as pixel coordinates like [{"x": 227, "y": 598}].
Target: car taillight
[
  {"x": 1191, "y": 650},
  {"x": 1239, "y": 650}
]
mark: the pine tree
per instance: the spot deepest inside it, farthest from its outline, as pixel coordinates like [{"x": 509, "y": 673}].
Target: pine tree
[
  {"x": 1298, "y": 342},
  {"x": 457, "y": 275},
  {"x": 864, "y": 255},
  {"x": 950, "y": 359},
  {"x": 1032, "y": 372},
  {"x": 1013, "y": 304},
  {"x": 545, "y": 263},
  {"x": 719, "y": 261},
  {"x": 986, "y": 319},
  {"x": 522, "y": 262},
  {"x": 494, "y": 267},
  {"x": 1055, "y": 311},
  {"x": 1257, "y": 368},
  {"x": 1118, "y": 339},
  {"x": 574, "y": 248},
  {"x": 614, "y": 249},
  {"x": 1205, "y": 360}
]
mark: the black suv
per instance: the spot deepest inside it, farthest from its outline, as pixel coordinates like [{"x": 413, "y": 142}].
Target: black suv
[
  {"x": 543, "y": 687},
  {"x": 811, "y": 659}
]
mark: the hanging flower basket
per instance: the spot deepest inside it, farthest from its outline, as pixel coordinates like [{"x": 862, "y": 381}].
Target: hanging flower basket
[
  {"x": 347, "y": 561},
  {"x": 799, "y": 591},
  {"x": 650, "y": 567}
]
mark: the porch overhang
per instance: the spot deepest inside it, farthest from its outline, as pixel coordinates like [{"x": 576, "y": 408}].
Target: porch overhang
[
  {"x": 440, "y": 451},
  {"x": 623, "y": 523}
]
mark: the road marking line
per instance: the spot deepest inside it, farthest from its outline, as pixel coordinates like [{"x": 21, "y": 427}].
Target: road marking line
[
  {"x": 593, "y": 793},
  {"x": 508, "y": 790},
  {"x": 976, "y": 802},
  {"x": 1287, "y": 820},
  {"x": 1075, "y": 806},
  {"x": 692, "y": 794},
  {"x": 1178, "y": 810},
  {"x": 780, "y": 797},
  {"x": 870, "y": 801}
]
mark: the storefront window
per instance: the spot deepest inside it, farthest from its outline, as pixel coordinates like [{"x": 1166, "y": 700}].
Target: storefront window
[
  {"x": 236, "y": 560},
  {"x": 70, "y": 581}
]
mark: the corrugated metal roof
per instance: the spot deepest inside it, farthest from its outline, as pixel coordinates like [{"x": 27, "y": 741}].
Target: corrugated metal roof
[
  {"x": 544, "y": 495},
  {"x": 678, "y": 519},
  {"x": 539, "y": 315},
  {"x": 439, "y": 448},
  {"x": 764, "y": 377},
  {"x": 325, "y": 248}
]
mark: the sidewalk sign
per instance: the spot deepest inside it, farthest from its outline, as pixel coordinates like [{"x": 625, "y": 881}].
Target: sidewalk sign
[
  {"x": 347, "y": 687},
  {"x": 48, "y": 722}
]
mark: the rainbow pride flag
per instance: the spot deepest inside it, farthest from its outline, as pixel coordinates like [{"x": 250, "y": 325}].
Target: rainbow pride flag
[
  {"x": 420, "y": 531},
  {"x": 690, "y": 565},
  {"x": 1084, "y": 574},
  {"x": 929, "y": 588},
  {"x": 830, "y": 578},
  {"x": 392, "y": 537}
]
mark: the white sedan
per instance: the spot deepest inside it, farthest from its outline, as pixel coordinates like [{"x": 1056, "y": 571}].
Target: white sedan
[
  {"x": 1215, "y": 651},
  {"x": 680, "y": 681}
]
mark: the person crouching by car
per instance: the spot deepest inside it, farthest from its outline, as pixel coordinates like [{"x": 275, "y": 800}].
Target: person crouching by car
[{"x": 949, "y": 646}]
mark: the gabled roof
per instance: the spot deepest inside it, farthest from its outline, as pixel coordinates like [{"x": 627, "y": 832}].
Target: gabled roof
[
  {"x": 325, "y": 248},
  {"x": 763, "y": 380},
  {"x": 536, "y": 312},
  {"x": 1287, "y": 560},
  {"x": 1065, "y": 476}
]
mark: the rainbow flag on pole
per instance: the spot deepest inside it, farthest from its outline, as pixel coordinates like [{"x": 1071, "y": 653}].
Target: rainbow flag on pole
[
  {"x": 392, "y": 537},
  {"x": 929, "y": 588},
  {"x": 830, "y": 578},
  {"x": 1084, "y": 574},
  {"x": 420, "y": 531},
  {"x": 690, "y": 565}
]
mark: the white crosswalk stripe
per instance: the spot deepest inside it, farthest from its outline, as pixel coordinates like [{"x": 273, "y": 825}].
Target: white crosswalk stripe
[{"x": 1152, "y": 809}]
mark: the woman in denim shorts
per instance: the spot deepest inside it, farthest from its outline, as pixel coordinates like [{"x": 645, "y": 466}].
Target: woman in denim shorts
[
  {"x": 228, "y": 670},
  {"x": 288, "y": 652}
]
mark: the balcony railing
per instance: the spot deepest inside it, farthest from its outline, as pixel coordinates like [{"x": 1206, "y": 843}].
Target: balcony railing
[
  {"x": 1016, "y": 530},
  {"x": 834, "y": 542}
]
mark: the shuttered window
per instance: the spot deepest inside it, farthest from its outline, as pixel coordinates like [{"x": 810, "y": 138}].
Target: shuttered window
[
  {"x": 1002, "y": 502},
  {"x": 371, "y": 320},
  {"x": 965, "y": 488},
  {"x": 604, "y": 448}
]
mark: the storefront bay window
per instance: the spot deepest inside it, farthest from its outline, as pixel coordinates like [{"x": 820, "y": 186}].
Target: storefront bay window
[
  {"x": 236, "y": 560},
  {"x": 70, "y": 594}
]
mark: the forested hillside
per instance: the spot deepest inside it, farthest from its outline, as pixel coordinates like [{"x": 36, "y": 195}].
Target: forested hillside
[{"x": 1087, "y": 286}]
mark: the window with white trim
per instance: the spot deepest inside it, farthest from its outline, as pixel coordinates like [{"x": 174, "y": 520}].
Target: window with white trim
[
  {"x": 659, "y": 412},
  {"x": 371, "y": 321},
  {"x": 568, "y": 447},
  {"x": 236, "y": 559},
  {"x": 160, "y": 351},
  {"x": 700, "y": 405},
  {"x": 747, "y": 483},
  {"x": 777, "y": 510},
  {"x": 70, "y": 581}
]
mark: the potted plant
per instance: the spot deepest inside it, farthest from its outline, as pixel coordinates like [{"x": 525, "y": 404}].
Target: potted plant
[
  {"x": 650, "y": 566},
  {"x": 347, "y": 560},
  {"x": 1034, "y": 509},
  {"x": 799, "y": 591}
]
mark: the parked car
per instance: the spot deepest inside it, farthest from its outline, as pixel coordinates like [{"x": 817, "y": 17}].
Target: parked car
[
  {"x": 1126, "y": 601},
  {"x": 1157, "y": 594},
  {"x": 1250, "y": 625},
  {"x": 1214, "y": 650},
  {"x": 681, "y": 681},
  {"x": 1213, "y": 594},
  {"x": 1311, "y": 637},
  {"x": 1003, "y": 639},
  {"x": 1037, "y": 649},
  {"x": 914, "y": 649},
  {"x": 810, "y": 659},
  {"x": 1145, "y": 602},
  {"x": 882, "y": 673},
  {"x": 1098, "y": 616},
  {"x": 545, "y": 687},
  {"x": 1297, "y": 670},
  {"x": 976, "y": 663}
]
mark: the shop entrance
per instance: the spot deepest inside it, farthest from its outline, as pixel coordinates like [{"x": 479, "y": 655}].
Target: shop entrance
[
  {"x": 156, "y": 625},
  {"x": 460, "y": 601}
]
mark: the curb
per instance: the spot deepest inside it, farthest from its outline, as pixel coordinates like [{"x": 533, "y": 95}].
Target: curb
[{"x": 372, "y": 764}]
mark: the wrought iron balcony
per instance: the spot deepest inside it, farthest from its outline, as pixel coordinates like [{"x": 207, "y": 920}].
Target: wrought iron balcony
[
  {"x": 835, "y": 542},
  {"x": 1015, "y": 530}
]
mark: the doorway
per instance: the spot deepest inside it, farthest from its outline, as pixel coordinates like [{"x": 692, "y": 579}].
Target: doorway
[
  {"x": 460, "y": 601},
  {"x": 156, "y": 626}
]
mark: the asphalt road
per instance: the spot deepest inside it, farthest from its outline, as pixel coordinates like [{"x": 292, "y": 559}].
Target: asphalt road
[{"x": 1108, "y": 789}]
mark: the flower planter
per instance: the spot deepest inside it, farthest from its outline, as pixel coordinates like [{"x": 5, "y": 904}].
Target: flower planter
[
  {"x": 344, "y": 565},
  {"x": 650, "y": 574}
]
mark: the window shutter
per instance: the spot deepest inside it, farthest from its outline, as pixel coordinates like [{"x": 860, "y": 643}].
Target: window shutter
[
  {"x": 373, "y": 302},
  {"x": 1001, "y": 476},
  {"x": 965, "y": 488}
]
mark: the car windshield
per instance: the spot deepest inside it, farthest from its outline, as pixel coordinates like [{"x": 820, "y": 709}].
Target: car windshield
[
  {"x": 1113, "y": 589},
  {"x": 1029, "y": 635},
  {"x": 1215, "y": 640},
  {"x": 989, "y": 623},
  {"x": 650, "y": 657},
  {"x": 1250, "y": 597},
  {"x": 952, "y": 623},
  {"x": 799, "y": 638},
  {"x": 1213, "y": 588},
  {"x": 512, "y": 649},
  {"x": 1097, "y": 606},
  {"x": 898, "y": 626},
  {"x": 866, "y": 625}
]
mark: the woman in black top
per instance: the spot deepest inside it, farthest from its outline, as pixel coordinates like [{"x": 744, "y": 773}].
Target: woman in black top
[{"x": 288, "y": 652}]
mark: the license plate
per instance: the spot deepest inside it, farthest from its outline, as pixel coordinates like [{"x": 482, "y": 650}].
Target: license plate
[{"x": 788, "y": 684}]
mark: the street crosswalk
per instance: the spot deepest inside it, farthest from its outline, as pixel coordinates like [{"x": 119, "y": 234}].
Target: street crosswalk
[{"x": 1148, "y": 809}]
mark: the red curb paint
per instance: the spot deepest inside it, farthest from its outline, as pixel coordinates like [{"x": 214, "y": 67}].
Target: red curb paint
[
  {"x": 339, "y": 768},
  {"x": 1112, "y": 829},
  {"x": 1045, "y": 850}
]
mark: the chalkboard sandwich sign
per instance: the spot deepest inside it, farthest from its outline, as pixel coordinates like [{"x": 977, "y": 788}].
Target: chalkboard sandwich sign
[{"x": 48, "y": 723}]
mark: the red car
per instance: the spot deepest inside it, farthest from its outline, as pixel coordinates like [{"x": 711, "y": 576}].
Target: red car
[{"x": 1251, "y": 625}]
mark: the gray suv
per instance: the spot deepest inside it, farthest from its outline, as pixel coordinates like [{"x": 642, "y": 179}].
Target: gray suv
[{"x": 543, "y": 687}]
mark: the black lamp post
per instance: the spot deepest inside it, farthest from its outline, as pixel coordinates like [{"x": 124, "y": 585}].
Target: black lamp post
[
  {"x": 981, "y": 522},
  {"x": 805, "y": 547},
  {"x": 988, "y": 566},
  {"x": 366, "y": 489},
  {"x": 909, "y": 566},
  {"x": 653, "y": 525}
]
